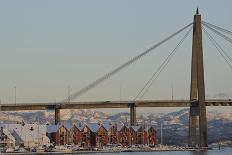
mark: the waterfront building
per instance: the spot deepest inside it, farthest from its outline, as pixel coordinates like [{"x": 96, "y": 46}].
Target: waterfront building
[
  {"x": 51, "y": 133},
  {"x": 119, "y": 127},
  {"x": 77, "y": 133},
  {"x": 111, "y": 132},
  {"x": 87, "y": 137},
  {"x": 145, "y": 135},
  {"x": 100, "y": 134},
  {"x": 6, "y": 138},
  {"x": 152, "y": 135},
  {"x": 124, "y": 136},
  {"x": 28, "y": 135},
  {"x": 137, "y": 134},
  {"x": 59, "y": 134}
]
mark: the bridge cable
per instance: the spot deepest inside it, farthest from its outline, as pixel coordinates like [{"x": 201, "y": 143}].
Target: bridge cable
[
  {"x": 226, "y": 55},
  {"x": 168, "y": 60},
  {"x": 219, "y": 33},
  {"x": 224, "y": 37},
  {"x": 217, "y": 27},
  {"x": 219, "y": 48},
  {"x": 124, "y": 65},
  {"x": 148, "y": 84}
]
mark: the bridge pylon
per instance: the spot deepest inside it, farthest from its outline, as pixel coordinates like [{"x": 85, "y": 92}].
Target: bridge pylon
[
  {"x": 197, "y": 90},
  {"x": 57, "y": 116},
  {"x": 133, "y": 114}
]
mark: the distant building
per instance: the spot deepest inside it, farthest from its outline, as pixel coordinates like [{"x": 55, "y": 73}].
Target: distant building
[
  {"x": 87, "y": 137},
  {"x": 152, "y": 135},
  {"x": 28, "y": 135},
  {"x": 59, "y": 134},
  {"x": 6, "y": 139},
  {"x": 137, "y": 135},
  {"x": 111, "y": 132},
  {"x": 51, "y": 133},
  {"x": 100, "y": 134},
  {"x": 77, "y": 133},
  {"x": 124, "y": 135}
]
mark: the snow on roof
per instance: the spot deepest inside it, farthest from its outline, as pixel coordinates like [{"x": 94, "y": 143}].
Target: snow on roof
[
  {"x": 119, "y": 127},
  {"x": 93, "y": 126},
  {"x": 68, "y": 125},
  {"x": 149, "y": 127},
  {"x": 107, "y": 126},
  {"x": 80, "y": 126},
  {"x": 52, "y": 128},
  {"x": 136, "y": 127},
  {"x": 28, "y": 132},
  {"x": 8, "y": 134}
]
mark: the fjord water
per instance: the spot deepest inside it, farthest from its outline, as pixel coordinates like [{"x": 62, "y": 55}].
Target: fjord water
[{"x": 225, "y": 151}]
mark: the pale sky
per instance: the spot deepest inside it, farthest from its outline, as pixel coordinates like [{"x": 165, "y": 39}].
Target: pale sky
[{"x": 47, "y": 46}]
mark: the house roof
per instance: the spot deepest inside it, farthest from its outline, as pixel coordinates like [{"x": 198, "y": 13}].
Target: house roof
[
  {"x": 93, "y": 126},
  {"x": 80, "y": 126},
  {"x": 52, "y": 128},
  {"x": 121, "y": 127},
  {"x": 148, "y": 127},
  {"x": 107, "y": 126},
  {"x": 68, "y": 125},
  {"x": 9, "y": 135},
  {"x": 136, "y": 127},
  {"x": 27, "y": 132}
]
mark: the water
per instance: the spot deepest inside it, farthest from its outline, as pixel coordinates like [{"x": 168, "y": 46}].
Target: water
[{"x": 225, "y": 151}]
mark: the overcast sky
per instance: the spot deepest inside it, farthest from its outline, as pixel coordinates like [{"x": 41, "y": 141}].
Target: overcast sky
[{"x": 48, "y": 46}]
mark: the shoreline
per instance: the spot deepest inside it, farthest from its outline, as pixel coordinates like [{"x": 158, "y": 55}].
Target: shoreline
[{"x": 111, "y": 151}]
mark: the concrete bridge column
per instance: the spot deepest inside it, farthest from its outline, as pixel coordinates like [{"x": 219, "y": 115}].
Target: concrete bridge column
[
  {"x": 200, "y": 82},
  {"x": 57, "y": 116},
  {"x": 197, "y": 91},
  {"x": 194, "y": 112},
  {"x": 132, "y": 114}
]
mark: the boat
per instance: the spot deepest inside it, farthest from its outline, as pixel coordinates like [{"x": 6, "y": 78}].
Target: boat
[
  {"x": 10, "y": 150},
  {"x": 61, "y": 148},
  {"x": 20, "y": 150}
]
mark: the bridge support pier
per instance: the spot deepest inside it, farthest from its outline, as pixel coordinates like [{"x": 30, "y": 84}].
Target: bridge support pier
[
  {"x": 132, "y": 114},
  {"x": 194, "y": 112},
  {"x": 192, "y": 130},
  {"x": 197, "y": 91},
  {"x": 57, "y": 116}
]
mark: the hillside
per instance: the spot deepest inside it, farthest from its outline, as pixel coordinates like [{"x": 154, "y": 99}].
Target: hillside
[{"x": 175, "y": 124}]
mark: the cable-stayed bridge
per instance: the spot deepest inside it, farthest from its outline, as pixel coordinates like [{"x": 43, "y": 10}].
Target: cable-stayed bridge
[{"x": 197, "y": 101}]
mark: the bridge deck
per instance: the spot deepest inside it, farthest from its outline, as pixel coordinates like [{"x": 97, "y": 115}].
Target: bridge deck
[{"x": 108, "y": 104}]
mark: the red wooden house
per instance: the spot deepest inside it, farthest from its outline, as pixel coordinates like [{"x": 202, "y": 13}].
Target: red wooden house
[
  {"x": 152, "y": 136},
  {"x": 145, "y": 133},
  {"x": 99, "y": 135},
  {"x": 112, "y": 132},
  {"x": 77, "y": 133},
  {"x": 137, "y": 135},
  {"x": 86, "y": 137},
  {"x": 124, "y": 136},
  {"x": 59, "y": 134}
]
